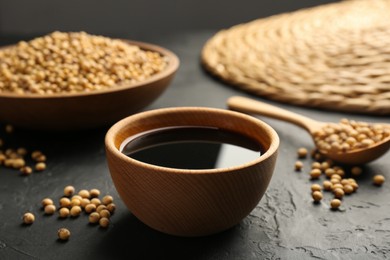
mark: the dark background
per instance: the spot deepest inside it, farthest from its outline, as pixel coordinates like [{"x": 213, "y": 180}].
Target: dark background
[
  {"x": 135, "y": 18},
  {"x": 284, "y": 225}
]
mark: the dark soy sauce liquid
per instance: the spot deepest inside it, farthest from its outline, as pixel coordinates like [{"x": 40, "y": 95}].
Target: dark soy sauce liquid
[{"x": 191, "y": 147}]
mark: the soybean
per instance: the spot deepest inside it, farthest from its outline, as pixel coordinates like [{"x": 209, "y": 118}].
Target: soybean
[
  {"x": 50, "y": 209},
  {"x": 104, "y": 222},
  {"x": 40, "y": 166},
  {"x": 28, "y": 218},
  {"x": 378, "y": 180},
  {"x": 107, "y": 199},
  {"x": 94, "y": 217},
  {"x": 47, "y": 201},
  {"x": 298, "y": 165},
  {"x": 69, "y": 191},
  {"x": 338, "y": 193},
  {"x": 335, "y": 203},
  {"x": 63, "y": 234},
  {"x": 317, "y": 196},
  {"x": 302, "y": 152},
  {"x": 316, "y": 187},
  {"x": 63, "y": 212},
  {"x": 75, "y": 211},
  {"x": 315, "y": 173}
]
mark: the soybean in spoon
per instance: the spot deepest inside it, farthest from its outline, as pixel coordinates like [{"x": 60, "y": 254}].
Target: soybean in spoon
[{"x": 371, "y": 140}]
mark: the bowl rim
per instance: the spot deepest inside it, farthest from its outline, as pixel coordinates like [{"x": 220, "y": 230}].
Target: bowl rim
[
  {"x": 114, "y": 129},
  {"x": 173, "y": 65}
]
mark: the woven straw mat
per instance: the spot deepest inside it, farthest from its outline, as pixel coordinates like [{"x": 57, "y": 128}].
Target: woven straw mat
[{"x": 334, "y": 56}]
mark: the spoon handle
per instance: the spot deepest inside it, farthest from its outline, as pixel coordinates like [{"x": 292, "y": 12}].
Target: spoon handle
[{"x": 251, "y": 106}]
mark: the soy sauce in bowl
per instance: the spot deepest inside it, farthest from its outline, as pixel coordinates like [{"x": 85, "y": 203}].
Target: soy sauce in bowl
[{"x": 191, "y": 147}]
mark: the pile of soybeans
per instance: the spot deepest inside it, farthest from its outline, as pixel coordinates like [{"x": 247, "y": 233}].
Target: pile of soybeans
[{"x": 74, "y": 62}]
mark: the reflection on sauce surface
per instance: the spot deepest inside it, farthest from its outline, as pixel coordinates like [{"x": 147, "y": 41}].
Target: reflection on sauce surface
[{"x": 191, "y": 147}]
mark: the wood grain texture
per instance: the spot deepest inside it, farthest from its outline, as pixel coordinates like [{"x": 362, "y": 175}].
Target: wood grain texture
[
  {"x": 191, "y": 202},
  {"x": 87, "y": 110}
]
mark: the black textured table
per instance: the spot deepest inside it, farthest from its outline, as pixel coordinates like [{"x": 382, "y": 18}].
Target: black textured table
[{"x": 284, "y": 225}]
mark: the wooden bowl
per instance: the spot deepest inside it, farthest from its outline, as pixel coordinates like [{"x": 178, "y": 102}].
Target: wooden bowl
[
  {"x": 191, "y": 202},
  {"x": 87, "y": 109}
]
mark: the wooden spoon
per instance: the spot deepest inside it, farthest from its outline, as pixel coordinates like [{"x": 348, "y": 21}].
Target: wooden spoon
[{"x": 355, "y": 156}]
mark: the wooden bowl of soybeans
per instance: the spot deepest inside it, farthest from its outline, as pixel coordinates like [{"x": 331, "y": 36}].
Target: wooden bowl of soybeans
[
  {"x": 72, "y": 81},
  {"x": 189, "y": 200}
]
